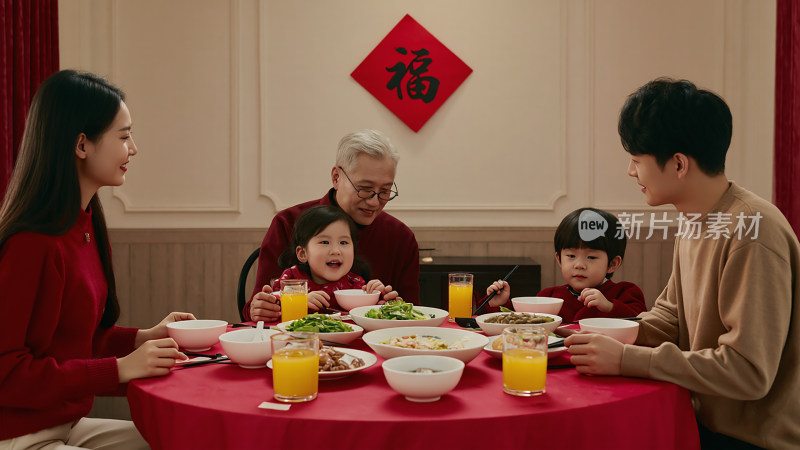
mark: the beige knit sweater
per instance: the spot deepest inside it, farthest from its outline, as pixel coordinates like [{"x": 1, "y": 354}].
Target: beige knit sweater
[{"x": 727, "y": 326}]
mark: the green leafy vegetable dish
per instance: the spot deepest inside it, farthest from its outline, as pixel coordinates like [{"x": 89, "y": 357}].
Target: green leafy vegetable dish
[
  {"x": 318, "y": 323},
  {"x": 397, "y": 310}
]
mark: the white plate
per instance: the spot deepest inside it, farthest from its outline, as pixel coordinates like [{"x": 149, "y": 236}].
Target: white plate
[
  {"x": 492, "y": 329},
  {"x": 338, "y": 337},
  {"x": 551, "y": 352},
  {"x": 370, "y": 324},
  {"x": 369, "y": 361}
]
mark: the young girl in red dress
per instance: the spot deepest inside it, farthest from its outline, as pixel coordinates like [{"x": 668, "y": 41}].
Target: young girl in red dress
[{"x": 322, "y": 250}]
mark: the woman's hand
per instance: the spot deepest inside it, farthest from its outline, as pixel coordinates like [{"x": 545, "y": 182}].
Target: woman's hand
[
  {"x": 318, "y": 300},
  {"x": 593, "y": 298},
  {"x": 503, "y": 290},
  {"x": 264, "y": 306},
  {"x": 160, "y": 331},
  {"x": 153, "y": 358}
]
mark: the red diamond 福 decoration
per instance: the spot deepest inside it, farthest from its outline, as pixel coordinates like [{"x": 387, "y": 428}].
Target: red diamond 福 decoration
[{"x": 411, "y": 73}]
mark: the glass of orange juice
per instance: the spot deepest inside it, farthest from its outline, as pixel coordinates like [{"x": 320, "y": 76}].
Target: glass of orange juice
[
  {"x": 524, "y": 360},
  {"x": 294, "y": 299},
  {"x": 295, "y": 366},
  {"x": 460, "y": 295}
]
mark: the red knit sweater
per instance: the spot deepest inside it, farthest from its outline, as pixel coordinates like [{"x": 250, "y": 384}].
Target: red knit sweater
[
  {"x": 628, "y": 301},
  {"x": 387, "y": 244},
  {"x": 349, "y": 281},
  {"x": 53, "y": 356}
]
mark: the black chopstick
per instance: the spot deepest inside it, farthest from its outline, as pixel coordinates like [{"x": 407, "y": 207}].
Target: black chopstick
[
  {"x": 223, "y": 360},
  {"x": 218, "y": 355},
  {"x": 491, "y": 296},
  {"x": 560, "y": 366}
]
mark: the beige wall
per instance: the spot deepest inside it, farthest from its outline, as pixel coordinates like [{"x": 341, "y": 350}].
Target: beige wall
[{"x": 238, "y": 105}]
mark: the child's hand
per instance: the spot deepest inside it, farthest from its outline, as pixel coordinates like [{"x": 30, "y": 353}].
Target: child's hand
[
  {"x": 265, "y": 306},
  {"x": 375, "y": 285},
  {"x": 318, "y": 300},
  {"x": 503, "y": 290},
  {"x": 386, "y": 291},
  {"x": 595, "y": 299}
]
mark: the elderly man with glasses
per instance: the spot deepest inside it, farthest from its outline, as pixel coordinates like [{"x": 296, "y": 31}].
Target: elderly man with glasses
[{"x": 363, "y": 183}]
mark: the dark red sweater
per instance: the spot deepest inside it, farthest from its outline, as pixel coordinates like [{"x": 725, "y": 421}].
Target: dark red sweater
[
  {"x": 628, "y": 301},
  {"x": 53, "y": 357},
  {"x": 387, "y": 244}
]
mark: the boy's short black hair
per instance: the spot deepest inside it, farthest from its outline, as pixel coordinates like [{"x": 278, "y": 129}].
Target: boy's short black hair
[
  {"x": 613, "y": 241},
  {"x": 667, "y": 116}
]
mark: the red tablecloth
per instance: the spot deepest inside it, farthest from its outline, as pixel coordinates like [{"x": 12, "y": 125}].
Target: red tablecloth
[{"x": 215, "y": 406}]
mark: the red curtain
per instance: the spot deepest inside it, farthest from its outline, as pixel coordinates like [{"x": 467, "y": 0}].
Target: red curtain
[
  {"x": 787, "y": 112},
  {"x": 28, "y": 55}
]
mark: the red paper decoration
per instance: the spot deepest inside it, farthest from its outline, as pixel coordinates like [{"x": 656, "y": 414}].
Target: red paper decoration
[{"x": 411, "y": 73}]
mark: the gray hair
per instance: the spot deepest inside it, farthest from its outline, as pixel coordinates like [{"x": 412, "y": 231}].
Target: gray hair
[{"x": 369, "y": 142}]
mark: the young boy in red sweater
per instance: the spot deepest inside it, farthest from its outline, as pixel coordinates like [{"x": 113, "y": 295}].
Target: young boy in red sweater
[{"x": 589, "y": 246}]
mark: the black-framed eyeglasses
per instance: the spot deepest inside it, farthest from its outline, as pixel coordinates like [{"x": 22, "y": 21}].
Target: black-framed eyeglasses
[{"x": 367, "y": 194}]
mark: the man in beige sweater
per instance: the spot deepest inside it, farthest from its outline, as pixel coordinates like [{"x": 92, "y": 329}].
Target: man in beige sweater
[{"x": 727, "y": 326}]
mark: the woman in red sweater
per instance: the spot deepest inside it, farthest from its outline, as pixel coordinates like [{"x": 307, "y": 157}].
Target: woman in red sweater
[{"x": 59, "y": 346}]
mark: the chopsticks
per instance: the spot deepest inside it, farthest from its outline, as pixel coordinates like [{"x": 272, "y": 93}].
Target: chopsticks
[
  {"x": 221, "y": 360},
  {"x": 491, "y": 296},
  {"x": 218, "y": 355}
]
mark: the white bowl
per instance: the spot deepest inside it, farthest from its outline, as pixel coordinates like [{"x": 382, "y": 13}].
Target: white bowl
[
  {"x": 545, "y": 305},
  {"x": 472, "y": 342},
  {"x": 196, "y": 335},
  {"x": 243, "y": 350},
  {"x": 353, "y": 298},
  {"x": 492, "y": 329},
  {"x": 369, "y": 324},
  {"x": 423, "y": 387},
  {"x": 335, "y": 338},
  {"x": 622, "y": 330},
  {"x": 551, "y": 352}
]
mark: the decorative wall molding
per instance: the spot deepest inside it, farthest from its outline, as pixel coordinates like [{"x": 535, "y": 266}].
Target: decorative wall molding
[{"x": 234, "y": 94}]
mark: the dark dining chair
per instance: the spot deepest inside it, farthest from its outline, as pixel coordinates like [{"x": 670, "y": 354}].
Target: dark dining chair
[{"x": 241, "y": 295}]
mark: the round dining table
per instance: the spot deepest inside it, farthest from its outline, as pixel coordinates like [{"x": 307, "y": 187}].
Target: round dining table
[{"x": 216, "y": 406}]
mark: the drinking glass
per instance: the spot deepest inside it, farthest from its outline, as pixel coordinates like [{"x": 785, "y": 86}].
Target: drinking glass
[
  {"x": 295, "y": 366},
  {"x": 294, "y": 299},
  {"x": 524, "y": 360},
  {"x": 460, "y": 293}
]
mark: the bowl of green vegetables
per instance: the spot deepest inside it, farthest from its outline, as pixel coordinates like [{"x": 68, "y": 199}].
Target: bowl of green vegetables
[
  {"x": 397, "y": 313},
  {"x": 331, "y": 330}
]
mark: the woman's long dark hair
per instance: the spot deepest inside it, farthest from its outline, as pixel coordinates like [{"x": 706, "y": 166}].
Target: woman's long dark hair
[
  {"x": 310, "y": 223},
  {"x": 43, "y": 195}
]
